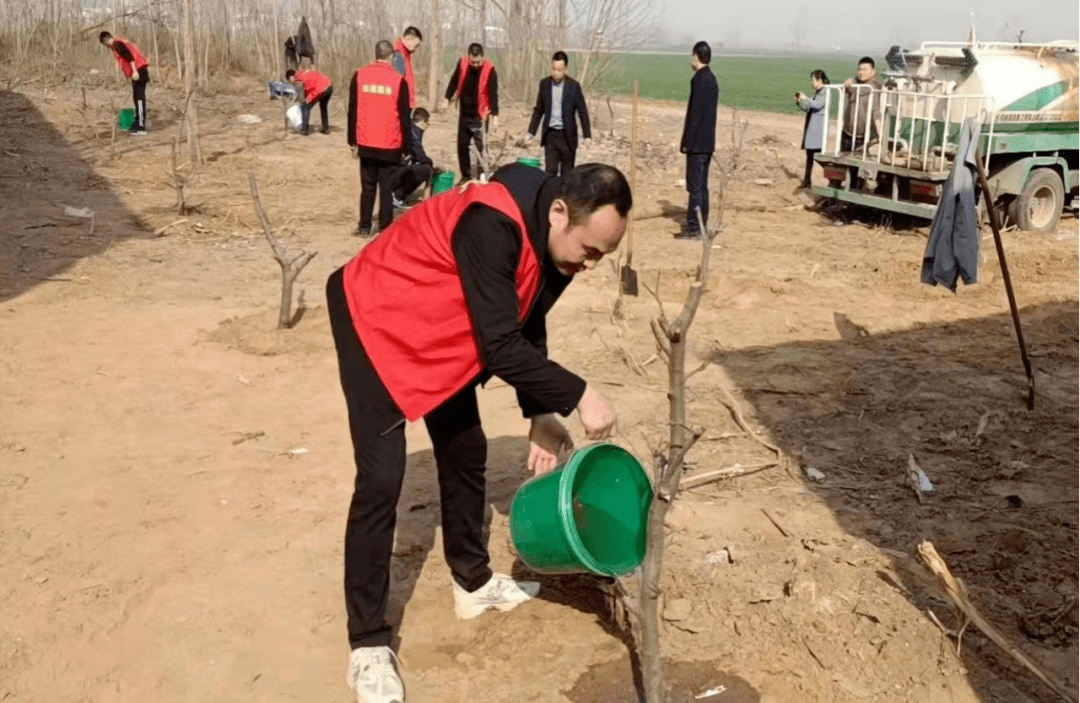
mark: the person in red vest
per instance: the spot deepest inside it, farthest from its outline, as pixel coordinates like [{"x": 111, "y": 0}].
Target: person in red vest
[
  {"x": 475, "y": 86},
  {"x": 134, "y": 66},
  {"x": 407, "y": 45},
  {"x": 380, "y": 129},
  {"x": 455, "y": 292},
  {"x": 317, "y": 87}
]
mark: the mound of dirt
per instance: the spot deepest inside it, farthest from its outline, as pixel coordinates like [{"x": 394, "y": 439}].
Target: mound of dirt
[{"x": 257, "y": 333}]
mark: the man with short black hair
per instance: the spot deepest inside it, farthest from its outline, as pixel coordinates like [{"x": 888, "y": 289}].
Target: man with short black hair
[
  {"x": 863, "y": 104},
  {"x": 380, "y": 130},
  {"x": 134, "y": 66},
  {"x": 558, "y": 101},
  {"x": 317, "y": 88},
  {"x": 454, "y": 293},
  {"x": 699, "y": 139},
  {"x": 405, "y": 46},
  {"x": 475, "y": 86},
  {"x": 419, "y": 167}
]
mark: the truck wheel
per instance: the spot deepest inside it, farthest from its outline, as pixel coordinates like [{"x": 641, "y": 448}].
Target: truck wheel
[{"x": 1038, "y": 207}]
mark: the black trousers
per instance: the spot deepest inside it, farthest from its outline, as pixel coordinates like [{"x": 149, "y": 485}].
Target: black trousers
[
  {"x": 697, "y": 185},
  {"x": 375, "y": 176},
  {"x": 138, "y": 91},
  {"x": 470, "y": 131},
  {"x": 324, "y": 103},
  {"x": 558, "y": 155},
  {"x": 809, "y": 166},
  {"x": 408, "y": 178},
  {"x": 378, "y": 437}
]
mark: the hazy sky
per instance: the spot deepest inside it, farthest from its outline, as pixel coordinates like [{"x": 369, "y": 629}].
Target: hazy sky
[{"x": 869, "y": 24}]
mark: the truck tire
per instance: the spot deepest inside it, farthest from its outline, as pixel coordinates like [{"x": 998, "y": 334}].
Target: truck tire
[{"x": 1038, "y": 207}]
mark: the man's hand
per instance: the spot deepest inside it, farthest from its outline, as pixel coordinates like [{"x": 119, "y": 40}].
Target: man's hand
[
  {"x": 355, "y": 152},
  {"x": 548, "y": 440},
  {"x": 597, "y": 415},
  {"x": 848, "y": 83},
  {"x": 528, "y": 137},
  {"x": 494, "y": 123}
]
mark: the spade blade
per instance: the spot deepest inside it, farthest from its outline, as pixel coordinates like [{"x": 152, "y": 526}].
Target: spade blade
[{"x": 628, "y": 278}]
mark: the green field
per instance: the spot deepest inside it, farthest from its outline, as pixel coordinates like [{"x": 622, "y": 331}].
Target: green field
[{"x": 752, "y": 83}]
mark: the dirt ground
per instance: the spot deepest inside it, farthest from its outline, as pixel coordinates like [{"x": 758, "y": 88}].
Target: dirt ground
[{"x": 174, "y": 473}]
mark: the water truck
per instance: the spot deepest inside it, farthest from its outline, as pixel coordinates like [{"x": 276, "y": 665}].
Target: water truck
[{"x": 1024, "y": 98}]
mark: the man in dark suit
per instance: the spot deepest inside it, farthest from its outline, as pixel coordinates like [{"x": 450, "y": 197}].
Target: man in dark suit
[
  {"x": 558, "y": 100},
  {"x": 699, "y": 139}
]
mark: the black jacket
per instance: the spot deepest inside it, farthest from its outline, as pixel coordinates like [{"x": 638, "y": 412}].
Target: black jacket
[
  {"x": 418, "y": 155},
  {"x": 405, "y": 115},
  {"x": 487, "y": 248},
  {"x": 573, "y": 101},
  {"x": 699, "y": 131}
]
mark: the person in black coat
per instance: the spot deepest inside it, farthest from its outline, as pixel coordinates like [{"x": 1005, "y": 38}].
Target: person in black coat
[
  {"x": 557, "y": 101},
  {"x": 699, "y": 138},
  {"x": 419, "y": 167}
]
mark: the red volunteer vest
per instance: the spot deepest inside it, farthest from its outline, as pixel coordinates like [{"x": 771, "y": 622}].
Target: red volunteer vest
[
  {"x": 407, "y": 302},
  {"x": 315, "y": 84},
  {"x": 410, "y": 80},
  {"x": 483, "y": 105},
  {"x": 378, "y": 122},
  {"x": 125, "y": 66}
]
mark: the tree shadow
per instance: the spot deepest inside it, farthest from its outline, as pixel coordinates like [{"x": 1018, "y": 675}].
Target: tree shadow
[
  {"x": 673, "y": 212},
  {"x": 40, "y": 174},
  {"x": 1003, "y": 511}
]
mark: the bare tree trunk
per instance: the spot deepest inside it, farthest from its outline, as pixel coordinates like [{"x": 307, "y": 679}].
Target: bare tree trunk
[
  {"x": 483, "y": 23},
  {"x": 191, "y": 120},
  {"x": 671, "y": 337},
  {"x": 561, "y": 37},
  {"x": 290, "y": 267},
  {"x": 434, "y": 59}
]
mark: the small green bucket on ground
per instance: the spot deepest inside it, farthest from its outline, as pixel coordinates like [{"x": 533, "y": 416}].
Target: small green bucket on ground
[
  {"x": 442, "y": 183},
  {"x": 126, "y": 118},
  {"x": 590, "y": 515},
  {"x": 529, "y": 161}
]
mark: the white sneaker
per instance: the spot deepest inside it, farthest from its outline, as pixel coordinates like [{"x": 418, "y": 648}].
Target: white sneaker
[
  {"x": 372, "y": 676},
  {"x": 501, "y": 593}
]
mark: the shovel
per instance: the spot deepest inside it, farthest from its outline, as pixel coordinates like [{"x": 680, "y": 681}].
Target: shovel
[{"x": 627, "y": 275}]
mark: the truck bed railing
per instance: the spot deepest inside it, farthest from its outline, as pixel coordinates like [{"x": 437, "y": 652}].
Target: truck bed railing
[
  {"x": 1061, "y": 45},
  {"x": 914, "y": 129}
]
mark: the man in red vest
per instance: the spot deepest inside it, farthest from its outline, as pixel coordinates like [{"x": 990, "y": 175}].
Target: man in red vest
[
  {"x": 455, "y": 292},
  {"x": 407, "y": 45},
  {"x": 475, "y": 86},
  {"x": 380, "y": 129},
  {"x": 317, "y": 87},
  {"x": 133, "y": 64}
]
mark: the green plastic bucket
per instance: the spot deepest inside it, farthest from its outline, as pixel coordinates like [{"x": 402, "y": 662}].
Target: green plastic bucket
[
  {"x": 126, "y": 118},
  {"x": 442, "y": 182},
  {"x": 529, "y": 161},
  {"x": 588, "y": 516}
]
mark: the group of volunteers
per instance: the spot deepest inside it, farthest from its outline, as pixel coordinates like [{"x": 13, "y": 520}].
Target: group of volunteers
[{"x": 454, "y": 292}]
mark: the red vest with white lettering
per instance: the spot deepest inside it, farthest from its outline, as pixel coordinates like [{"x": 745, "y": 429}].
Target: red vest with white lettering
[
  {"x": 483, "y": 104},
  {"x": 315, "y": 84},
  {"x": 378, "y": 122},
  {"x": 125, "y": 66},
  {"x": 410, "y": 80},
  {"x": 407, "y": 302}
]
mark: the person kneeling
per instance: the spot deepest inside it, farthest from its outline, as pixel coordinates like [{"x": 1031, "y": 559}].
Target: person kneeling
[{"x": 419, "y": 167}]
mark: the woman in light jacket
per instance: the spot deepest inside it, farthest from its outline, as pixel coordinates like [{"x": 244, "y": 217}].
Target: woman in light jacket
[{"x": 814, "y": 130}]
